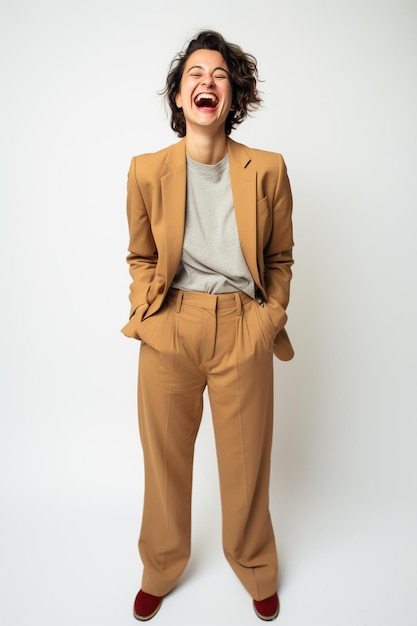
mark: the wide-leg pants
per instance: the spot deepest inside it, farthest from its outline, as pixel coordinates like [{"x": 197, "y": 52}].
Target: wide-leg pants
[{"x": 223, "y": 342}]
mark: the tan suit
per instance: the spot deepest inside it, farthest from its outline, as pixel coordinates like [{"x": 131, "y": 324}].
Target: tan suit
[{"x": 224, "y": 342}]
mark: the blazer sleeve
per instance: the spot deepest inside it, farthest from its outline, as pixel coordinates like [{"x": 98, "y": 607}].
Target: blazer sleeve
[
  {"x": 142, "y": 257},
  {"x": 278, "y": 257}
]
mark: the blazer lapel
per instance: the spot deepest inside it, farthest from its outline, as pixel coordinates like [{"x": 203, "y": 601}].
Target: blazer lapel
[
  {"x": 243, "y": 181},
  {"x": 173, "y": 185}
]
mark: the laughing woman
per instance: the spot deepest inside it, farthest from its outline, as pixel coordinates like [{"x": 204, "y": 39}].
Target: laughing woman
[{"x": 210, "y": 257}]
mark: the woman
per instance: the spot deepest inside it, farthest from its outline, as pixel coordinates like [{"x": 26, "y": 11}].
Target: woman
[{"x": 210, "y": 256}]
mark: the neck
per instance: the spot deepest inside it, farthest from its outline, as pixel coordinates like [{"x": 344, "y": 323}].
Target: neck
[{"x": 206, "y": 148}]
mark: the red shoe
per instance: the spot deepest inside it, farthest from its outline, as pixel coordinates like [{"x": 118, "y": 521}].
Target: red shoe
[
  {"x": 267, "y": 609},
  {"x": 146, "y": 606}
]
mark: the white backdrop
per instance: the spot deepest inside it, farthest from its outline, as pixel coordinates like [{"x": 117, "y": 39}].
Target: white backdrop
[{"x": 79, "y": 82}]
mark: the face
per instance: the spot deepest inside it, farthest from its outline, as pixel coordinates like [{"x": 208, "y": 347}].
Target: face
[{"x": 205, "y": 93}]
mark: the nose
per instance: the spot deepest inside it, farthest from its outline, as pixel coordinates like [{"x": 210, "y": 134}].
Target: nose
[{"x": 207, "y": 81}]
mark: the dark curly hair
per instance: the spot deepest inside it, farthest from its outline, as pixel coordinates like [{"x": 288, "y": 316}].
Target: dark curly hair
[{"x": 243, "y": 73}]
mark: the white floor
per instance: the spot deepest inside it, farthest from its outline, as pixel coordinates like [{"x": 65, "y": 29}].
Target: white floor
[{"x": 70, "y": 558}]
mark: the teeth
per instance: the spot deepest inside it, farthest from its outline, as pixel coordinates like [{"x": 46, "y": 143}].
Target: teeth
[{"x": 206, "y": 96}]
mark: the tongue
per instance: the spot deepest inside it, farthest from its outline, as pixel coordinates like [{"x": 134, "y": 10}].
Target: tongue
[{"x": 206, "y": 102}]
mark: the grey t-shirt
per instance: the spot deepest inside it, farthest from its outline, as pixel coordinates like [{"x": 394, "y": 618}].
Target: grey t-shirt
[{"x": 212, "y": 260}]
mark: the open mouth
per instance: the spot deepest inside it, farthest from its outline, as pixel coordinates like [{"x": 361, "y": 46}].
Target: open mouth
[{"x": 207, "y": 100}]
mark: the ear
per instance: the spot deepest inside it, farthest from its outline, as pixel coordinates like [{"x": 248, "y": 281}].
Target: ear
[{"x": 178, "y": 100}]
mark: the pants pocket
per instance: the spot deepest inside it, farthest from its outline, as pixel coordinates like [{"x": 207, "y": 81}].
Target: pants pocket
[
  {"x": 265, "y": 325},
  {"x": 159, "y": 331}
]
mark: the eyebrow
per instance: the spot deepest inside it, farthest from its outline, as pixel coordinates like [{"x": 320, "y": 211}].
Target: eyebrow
[{"x": 200, "y": 67}]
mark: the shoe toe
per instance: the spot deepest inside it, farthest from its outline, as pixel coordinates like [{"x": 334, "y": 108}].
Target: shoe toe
[
  {"x": 267, "y": 609},
  {"x": 146, "y": 606}
]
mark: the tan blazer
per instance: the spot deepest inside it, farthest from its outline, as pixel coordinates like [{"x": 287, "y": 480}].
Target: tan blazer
[{"x": 156, "y": 198}]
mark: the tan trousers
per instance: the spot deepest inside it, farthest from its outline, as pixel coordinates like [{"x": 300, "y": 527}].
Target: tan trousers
[{"x": 223, "y": 342}]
